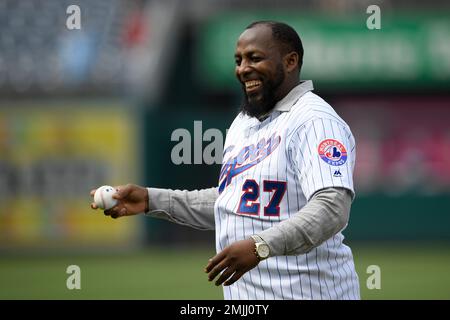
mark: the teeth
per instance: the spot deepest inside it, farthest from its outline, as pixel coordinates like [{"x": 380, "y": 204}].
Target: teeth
[{"x": 252, "y": 83}]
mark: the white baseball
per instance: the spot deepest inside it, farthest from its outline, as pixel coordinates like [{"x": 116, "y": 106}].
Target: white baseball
[{"x": 103, "y": 197}]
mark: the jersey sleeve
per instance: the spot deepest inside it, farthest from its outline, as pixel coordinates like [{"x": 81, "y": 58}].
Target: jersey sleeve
[
  {"x": 322, "y": 152},
  {"x": 190, "y": 208}
]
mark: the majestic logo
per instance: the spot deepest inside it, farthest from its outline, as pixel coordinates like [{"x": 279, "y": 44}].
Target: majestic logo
[
  {"x": 337, "y": 173},
  {"x": 332, "y": 152},
  {"x": 248, "y": 157}
]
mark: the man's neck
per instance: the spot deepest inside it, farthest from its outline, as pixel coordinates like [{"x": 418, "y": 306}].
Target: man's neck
[
  {"x": 285, "y": 92},
  {"x": 288, "y": 87}
]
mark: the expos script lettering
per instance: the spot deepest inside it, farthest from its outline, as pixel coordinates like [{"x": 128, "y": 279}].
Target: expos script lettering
[{"x": 248, "y": 157}]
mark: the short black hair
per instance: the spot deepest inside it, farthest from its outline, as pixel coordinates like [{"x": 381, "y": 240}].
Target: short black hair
[{"x": 285, "y": 35}]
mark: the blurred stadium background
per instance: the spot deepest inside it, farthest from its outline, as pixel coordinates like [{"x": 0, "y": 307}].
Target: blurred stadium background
[{"x": 83, "y": 108}]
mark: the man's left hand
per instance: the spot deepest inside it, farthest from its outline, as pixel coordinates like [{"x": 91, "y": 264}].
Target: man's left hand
[{"x": 234, "y": 261}]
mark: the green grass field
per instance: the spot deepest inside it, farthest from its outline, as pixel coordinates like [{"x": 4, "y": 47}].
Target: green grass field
[{"x": 407, "y": 272}]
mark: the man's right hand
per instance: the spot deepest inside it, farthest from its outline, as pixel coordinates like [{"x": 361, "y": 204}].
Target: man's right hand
[{"x": 132, "y": 199}]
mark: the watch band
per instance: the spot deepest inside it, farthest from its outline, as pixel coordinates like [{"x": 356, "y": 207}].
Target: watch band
[
  {"x": 259, "y": 242},
  {"x": 257, "y": 238}
]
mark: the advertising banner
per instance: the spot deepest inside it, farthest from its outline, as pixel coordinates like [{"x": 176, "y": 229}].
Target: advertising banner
[
  {"x": 50, "y": 159},
  {"x": 341, "y": 52}
]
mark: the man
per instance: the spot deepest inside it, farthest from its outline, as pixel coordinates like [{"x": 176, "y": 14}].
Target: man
[{"x": 285, "y": 187}]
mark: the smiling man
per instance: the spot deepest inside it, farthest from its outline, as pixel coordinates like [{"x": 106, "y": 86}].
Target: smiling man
[
  {"x": 259, "y": 65},
  {"x": 285, "y": 187}
]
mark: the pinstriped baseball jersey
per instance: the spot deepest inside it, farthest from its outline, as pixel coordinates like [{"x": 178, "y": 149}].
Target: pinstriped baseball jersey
[{"x": 270, "y": 171}]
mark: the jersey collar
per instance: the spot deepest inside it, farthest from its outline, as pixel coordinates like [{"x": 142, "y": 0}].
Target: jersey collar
[
  {"x": 289, "y": 100},
  {"x": 285, "y": 104}
]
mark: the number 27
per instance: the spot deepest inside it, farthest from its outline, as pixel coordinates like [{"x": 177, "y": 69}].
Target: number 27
[{"x": 249, "y": 204}]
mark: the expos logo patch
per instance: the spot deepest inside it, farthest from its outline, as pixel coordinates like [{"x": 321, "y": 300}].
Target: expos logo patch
[{"x": 332, "y": 152}]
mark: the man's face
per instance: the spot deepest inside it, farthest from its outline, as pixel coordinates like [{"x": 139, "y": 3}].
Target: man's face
[{"x": 260, "y": 70}]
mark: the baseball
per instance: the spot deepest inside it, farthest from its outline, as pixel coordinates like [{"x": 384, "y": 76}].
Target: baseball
[{"x": 103, "y": 197}]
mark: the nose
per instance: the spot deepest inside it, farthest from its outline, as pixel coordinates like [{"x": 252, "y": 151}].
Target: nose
[{"x": 243, "y": 69}]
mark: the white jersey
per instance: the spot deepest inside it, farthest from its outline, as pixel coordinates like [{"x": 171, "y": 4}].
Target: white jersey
[{"x": 270, "y": 171}]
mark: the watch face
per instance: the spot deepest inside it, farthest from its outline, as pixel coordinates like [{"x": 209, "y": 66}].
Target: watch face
[{"x": 263, "y": 250}]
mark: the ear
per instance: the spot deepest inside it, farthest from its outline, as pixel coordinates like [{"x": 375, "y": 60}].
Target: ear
[{"x": 291, "y": 61}]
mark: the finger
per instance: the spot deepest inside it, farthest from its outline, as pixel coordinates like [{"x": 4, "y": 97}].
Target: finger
[
  {"x": 225, "y": 275},
  {"x": 116, "y": 212},
  {"x": 93, "y": 205},
  {"x": 216, "y": 270},
  {"x": 111, "y": 212},
  {"x": 215, "y": 260},
  {"x": 236, "y": 276},
  {"x": 122, "y": 212},
  {"x": 122, "y": 192}
]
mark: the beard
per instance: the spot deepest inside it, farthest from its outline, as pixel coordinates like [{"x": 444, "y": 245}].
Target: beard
[{"x": 257, "y": 107}]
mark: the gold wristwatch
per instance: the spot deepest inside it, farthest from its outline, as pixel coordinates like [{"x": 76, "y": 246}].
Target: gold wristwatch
[{"x": 262, "y": 249}]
